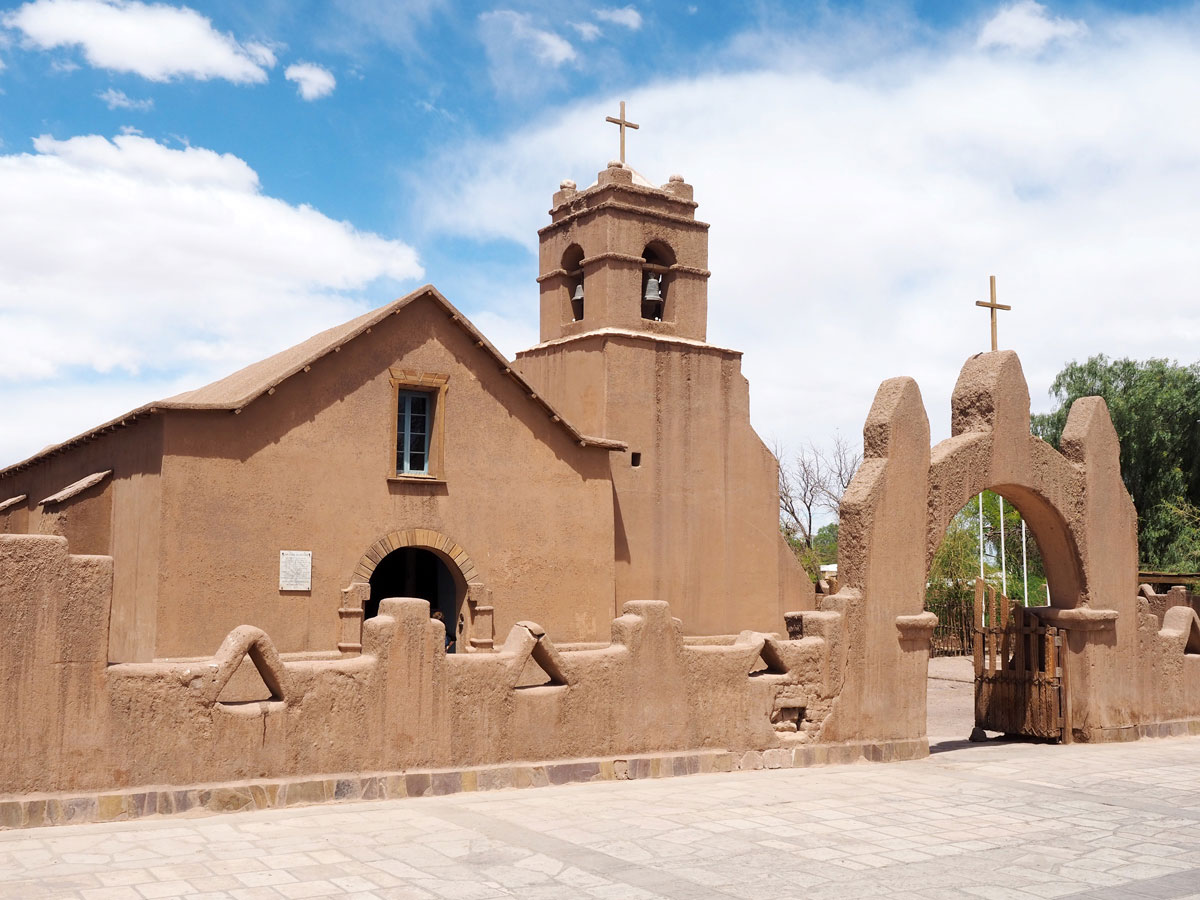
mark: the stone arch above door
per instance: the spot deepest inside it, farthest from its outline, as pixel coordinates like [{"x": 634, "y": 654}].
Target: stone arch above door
[
  {"x": 991, "y": 448},
  {"x": 898, "y": 506},
  {"x": 416, "y": 537}
]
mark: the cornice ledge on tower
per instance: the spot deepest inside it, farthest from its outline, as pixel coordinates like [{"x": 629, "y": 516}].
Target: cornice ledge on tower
[
  {"x": 629, "y": 333},
  {"x": 627, "y": 258},
  {"x": 617, "y": 187},
  {"x": 609, "y": 205}
]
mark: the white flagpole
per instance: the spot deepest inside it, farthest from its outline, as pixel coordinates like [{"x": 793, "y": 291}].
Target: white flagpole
[
  {"x": 1024, "y": 564},
  {"x": 981, "y": 534},
  {"x": 1003, "y": 562}
]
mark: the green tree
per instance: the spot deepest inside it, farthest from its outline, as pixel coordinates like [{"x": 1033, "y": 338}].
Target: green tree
[
  {"x": 950, "y": 587},
  {"x": 955, "y": 566},
  {"x": 1183, "y": 553},
  {"x": 1155, "y": 409},
  {"x": 825, "y": 544}
]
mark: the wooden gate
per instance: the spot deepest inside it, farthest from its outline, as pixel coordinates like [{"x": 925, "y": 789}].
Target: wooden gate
[{"x": 1020, "y": 672}]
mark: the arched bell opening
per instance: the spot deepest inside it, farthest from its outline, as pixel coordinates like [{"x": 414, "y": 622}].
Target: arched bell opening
[
  {"x": 426, "y": 574},
  {"x": 572, "y": 265},
  {"x": 657, "y": 260}
]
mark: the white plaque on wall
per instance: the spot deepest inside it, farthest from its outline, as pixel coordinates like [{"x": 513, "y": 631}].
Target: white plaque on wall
[{"x": 295, "y": 570}]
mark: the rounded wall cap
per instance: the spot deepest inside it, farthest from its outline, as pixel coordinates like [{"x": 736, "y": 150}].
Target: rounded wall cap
[
  {"x": 566, "y": 185},
  {"x": 615, "y": 164},
  {"x": 676, "y": 179}
]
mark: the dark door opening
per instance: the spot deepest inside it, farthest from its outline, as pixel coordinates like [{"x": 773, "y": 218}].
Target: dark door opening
[{"x": 416, "y": 572}]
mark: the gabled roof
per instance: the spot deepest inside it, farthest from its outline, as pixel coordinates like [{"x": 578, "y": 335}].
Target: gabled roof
[{"x": 237, "y": 391}]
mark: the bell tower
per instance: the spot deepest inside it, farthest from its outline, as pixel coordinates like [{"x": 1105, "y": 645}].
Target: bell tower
[
  {"x": 624, "y": 354},
  {"x": 624, "y": 254}
]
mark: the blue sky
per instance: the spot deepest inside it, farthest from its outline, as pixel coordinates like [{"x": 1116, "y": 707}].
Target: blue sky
[{"x": 188, "y": 187}]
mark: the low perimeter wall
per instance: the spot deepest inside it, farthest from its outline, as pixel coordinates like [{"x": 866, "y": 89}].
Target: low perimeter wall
[
  {"x": 71, "y": 723},
  {"x": 83, "y": 740}
]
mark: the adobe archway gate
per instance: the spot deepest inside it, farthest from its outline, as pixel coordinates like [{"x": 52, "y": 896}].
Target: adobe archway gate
[{"x": 897, "y": 509}]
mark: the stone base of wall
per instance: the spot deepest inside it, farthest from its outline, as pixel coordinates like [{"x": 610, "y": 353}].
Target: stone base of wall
[
  {"x": 1174, "y": 728},
  {"x": 34, "y": 810}
]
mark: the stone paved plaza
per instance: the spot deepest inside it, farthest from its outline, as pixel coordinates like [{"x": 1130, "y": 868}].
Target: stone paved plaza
[{"x": 996, "y": 820}]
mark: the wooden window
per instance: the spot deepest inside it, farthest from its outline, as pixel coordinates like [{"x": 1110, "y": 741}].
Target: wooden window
[
  {"x": 420, "y": 414},
  {"x": 413, "y": 420}
]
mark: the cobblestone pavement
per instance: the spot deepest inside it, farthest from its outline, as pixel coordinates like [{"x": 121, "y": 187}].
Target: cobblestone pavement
[{"x": 995, "y": 820}]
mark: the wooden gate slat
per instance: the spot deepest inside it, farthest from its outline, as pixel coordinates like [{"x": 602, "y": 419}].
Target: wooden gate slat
[{"x": 1019, "y": 677}]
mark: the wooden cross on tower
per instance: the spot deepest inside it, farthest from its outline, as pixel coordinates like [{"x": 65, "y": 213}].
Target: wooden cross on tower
[
  {"x": 622, "y": 124},
  {"x": 993, "y": 306}
]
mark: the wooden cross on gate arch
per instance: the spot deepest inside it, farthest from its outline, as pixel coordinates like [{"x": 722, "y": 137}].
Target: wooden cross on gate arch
[{"x": 993, "y": 306}]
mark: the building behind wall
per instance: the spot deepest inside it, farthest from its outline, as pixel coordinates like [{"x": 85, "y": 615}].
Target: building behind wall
[{"x": 614, "y": 461}]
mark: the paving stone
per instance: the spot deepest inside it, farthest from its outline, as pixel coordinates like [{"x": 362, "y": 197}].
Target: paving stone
[{"x": 997, "y": 820}]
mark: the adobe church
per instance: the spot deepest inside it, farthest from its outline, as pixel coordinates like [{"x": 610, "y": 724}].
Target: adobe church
[
  {"x": 595, "y": 525},
  {"x": 612, "y": 462}
]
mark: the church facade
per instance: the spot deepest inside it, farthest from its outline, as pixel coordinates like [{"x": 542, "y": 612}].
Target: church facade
[{"x": 612, "y": 462}]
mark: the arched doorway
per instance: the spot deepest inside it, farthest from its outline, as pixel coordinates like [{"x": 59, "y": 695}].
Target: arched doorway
[
  {"x": 465, "y": 622},
  {"x": 987, "y": 539},
  {"x": 419, "y": 572}
]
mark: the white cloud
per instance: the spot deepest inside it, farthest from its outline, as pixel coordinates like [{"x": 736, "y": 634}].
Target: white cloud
[
  {"x": 857, "y": 212},
  {"x": 154, "y": 40},
  {"x": 588, "y": 31},
  {"x": 115, "y": 99},
  {"x": 552, "y": 49},
  {"x": 125, "y": 257},
  {"x": 261, "y": 54},
  {"x": 313, "y": 82},
  {"x": 1027, "y": 26},
  {"x": 625, "y": 16},
  {"x": 510, "y": 39}
]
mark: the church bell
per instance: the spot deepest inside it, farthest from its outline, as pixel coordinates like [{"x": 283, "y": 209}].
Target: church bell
[
  {"x": 652, "y": 302},
  {"x": 577, "y": 303}
]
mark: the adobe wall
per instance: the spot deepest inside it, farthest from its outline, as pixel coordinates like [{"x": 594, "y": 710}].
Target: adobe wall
[
  {"x": 73, "y": 723},
  {"x": 697, "y": 522},
  {"x": 118, "y": 517},
  {"x": 1169, "y": 676},
  {"x": 307, "y": 468},
  {"x": 54, "y": 714},
  {"x": 881, "y": 573},
  {"x": 1158, "y": 604}
]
